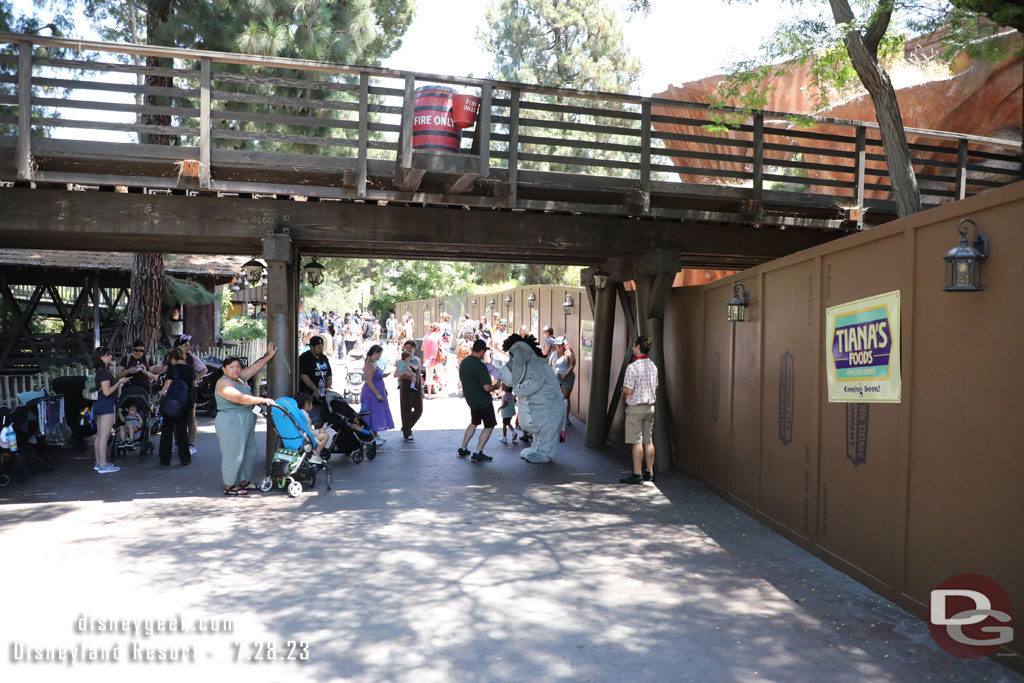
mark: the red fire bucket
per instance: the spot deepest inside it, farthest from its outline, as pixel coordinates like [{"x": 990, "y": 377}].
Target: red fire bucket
[
  {"x": 432, "y": 124},
  {"x": 464, "y": 110}
]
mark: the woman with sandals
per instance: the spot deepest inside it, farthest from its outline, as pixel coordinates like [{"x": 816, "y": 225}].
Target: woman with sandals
[{"x": 236, "y": 423}]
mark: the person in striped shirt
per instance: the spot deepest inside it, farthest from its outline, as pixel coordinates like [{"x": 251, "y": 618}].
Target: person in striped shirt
[{"x": 640, "y": 388}]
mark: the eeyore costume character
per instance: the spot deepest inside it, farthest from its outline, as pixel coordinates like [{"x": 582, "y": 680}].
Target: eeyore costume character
[{"x": 539, "y": 399}]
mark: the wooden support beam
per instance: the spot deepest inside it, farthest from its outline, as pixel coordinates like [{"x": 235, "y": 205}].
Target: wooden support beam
[
  {"x": 603, "y": 306},
  {"x": 460, "y": 183},
  {"x": 482, "y": 138},
  {"x": 24, "y": 152},
  {"x": 961, "y": 170},
  {"x": 645, "y": 154},
  {"x": 860, "y": 166},
  {"x": 758, "y": 160},
  {"x": 364, "y": 108},
  {"x": 205, "y": 173},
  {"x": 21, "y": 320},
  {"x": 513, "y": 150},
  {"x": 404, "y": 158},
  {"x": 409, "y": 179},
  {"x": 660, "y": 292}
]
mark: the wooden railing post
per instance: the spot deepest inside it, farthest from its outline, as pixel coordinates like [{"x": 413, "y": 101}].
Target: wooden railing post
[
  {"x": 364, "y": 131},
  {"x": 483, "y": 128},
  {"x": 513, "y": 148},
  {"x": 405, "y": 140},
  {"x": 24, "y": 110},
  {"x": 758, "y": 159},
  {"x": 204, "y": 123},
  {"x": 961, "y": 169},
  {"x": 858, "y": 174}
]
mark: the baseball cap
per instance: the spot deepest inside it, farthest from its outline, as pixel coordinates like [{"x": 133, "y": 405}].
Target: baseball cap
[{"x": 316, "y": 341}]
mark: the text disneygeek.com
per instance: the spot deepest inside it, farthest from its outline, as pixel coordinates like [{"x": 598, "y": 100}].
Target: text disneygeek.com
[{"x": 138, "y": 650}]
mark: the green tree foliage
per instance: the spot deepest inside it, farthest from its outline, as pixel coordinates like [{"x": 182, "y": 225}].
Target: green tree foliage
[
  {"x": 1002, "y": 12},
  {"x": 566, "y": 44}
]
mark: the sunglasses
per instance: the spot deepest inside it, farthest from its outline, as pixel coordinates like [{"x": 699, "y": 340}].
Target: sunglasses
[{"x": 138, "y": 350}]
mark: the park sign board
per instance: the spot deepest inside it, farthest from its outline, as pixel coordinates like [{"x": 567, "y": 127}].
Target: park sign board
[{"x": 862, "y": 345}]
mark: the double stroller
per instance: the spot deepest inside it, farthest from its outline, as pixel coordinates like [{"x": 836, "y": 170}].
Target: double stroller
[
  {"x": 77, "y": 409},
  {"x": 141, "y": 399},
  {"x": 292, "y": 467},
  {"x": 23, "y": 448}
]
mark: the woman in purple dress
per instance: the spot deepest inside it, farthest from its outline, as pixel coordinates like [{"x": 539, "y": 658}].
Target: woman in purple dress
[{"x": 374, "y": 397}]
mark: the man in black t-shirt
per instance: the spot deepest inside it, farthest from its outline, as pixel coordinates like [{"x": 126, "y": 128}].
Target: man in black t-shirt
[
  {"x": 476, "y": 387},
  {"x": 315, "y": 369},
  {"x": 135, "y": 366}
]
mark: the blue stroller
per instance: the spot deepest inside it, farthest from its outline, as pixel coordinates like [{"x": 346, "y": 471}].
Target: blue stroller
[{"x": 291, "y": 467}]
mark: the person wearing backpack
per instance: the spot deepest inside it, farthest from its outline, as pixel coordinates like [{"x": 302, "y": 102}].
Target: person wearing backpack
[{"x": 178, "y": 398}]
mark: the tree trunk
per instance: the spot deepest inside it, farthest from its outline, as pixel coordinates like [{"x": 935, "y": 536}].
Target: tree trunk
[
  {"x": 144, "y": 303},
  {"x": 158, "y": 13},
  {"x": 864, "y": 57}
]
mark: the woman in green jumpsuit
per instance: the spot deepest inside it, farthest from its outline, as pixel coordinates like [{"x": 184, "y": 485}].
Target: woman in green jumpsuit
[{"x": 236, "y": 423}]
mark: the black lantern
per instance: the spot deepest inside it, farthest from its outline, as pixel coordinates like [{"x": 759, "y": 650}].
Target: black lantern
[
  {"x": 426, "y": 304},
  {"x": 473, "y": 304},
  {"x": 314, "y": 273},
  {"x": 568, "y": 304},
  {"x": 492, "y": 302},
  {"x": 253, "y": 271},
  {"x": 601, "y": 279},
  {"x": 736, "y": 312},
  {"x": 963, "y": 262},
  {"x": 508, "y": 301},
  {"x": 531, "y": 300}
]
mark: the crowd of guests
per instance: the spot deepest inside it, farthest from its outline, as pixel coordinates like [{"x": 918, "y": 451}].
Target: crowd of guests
[{"x": 476, "y": 342}]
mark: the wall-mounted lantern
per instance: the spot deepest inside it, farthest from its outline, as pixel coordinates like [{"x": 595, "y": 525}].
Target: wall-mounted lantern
[
  {"x": 568, "y": 304},
  {"x": 314, "y": 273},
  {"x": 426, "y": 304},
  {"x": 492, "y": 303},
  {"x": 963, "y": 262},
  {"x": 601, "y": 279},
  {"x": 473, "y": 304},
  {"x": 254, "y": 270},
  {"x": 736, "y": 312},
  {"x": 531, "y": 300},
  {"x": 508, "y": 301}
]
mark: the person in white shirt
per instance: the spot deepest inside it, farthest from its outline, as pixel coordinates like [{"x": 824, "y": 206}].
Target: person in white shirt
[{"x": 640, "y": 387}]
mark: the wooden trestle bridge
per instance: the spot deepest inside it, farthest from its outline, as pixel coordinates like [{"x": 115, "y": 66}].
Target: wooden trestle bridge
[{"x": 144, "y": 148}]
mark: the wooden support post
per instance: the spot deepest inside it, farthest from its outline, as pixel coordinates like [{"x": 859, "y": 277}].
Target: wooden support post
[
  {"x": 758, "y": 169},
  {"x": 282, "y": 323},
  {"x": 24, "y": 110},
  {"x": 600, "y": 368},
  {"x": 664, "y": 424},
  {"x": 645, "y": 155},
  {"x": 96, "y": 310},
  {"x": 482, "y": 136},
  {"x": 204, "y": 123},
  {"x": 513, "y": 149},
  {"x": 631, "y": 333},
  {"x": 961, "y": 169},
  {"x": 364, "y": 132},
  {"x": 858, "y": 174},
  {"x": 404, "y": 159}
]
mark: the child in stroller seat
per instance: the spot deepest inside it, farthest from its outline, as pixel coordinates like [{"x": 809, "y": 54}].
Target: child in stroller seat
[
  {"x": 321, "y": 435},
  {"x": 131, "y": 424}
]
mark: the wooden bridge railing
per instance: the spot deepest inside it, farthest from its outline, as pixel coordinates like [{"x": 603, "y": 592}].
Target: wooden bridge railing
[{"x": 244, "y": 123}]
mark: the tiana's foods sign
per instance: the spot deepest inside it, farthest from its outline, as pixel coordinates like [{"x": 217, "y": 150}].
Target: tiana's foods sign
[{"x": 862, "y": 340}]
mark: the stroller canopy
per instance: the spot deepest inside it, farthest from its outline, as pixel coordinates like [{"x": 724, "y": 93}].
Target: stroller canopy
[{"x": 290, "y": 423}]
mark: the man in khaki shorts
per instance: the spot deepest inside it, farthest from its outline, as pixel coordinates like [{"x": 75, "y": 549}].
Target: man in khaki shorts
[{"x": 639, "y": 389}]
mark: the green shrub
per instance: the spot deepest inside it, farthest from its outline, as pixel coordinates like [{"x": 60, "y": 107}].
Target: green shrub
[{"x": 243, "y": 329}]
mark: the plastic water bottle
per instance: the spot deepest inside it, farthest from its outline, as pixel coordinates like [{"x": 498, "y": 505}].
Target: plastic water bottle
[{"x": 11, "y": 438}]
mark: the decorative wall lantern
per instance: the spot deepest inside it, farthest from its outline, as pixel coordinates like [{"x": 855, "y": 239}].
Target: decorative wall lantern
[
  {"x": 601, "y": 279},
  {"x": 473, "y": 304},
  {"x": 254, "y": 270},
  {"x": 314, "y": 273},
  {"x": 440, "y": 304},
  {"x": 736, "y": 312},
  {"x": 426, "y": 304},
  {"x": 508, "y": 301},
  {"x": 407, "y": 307},
  {"x": 963, "y": 262},
  {"x": 568, "y": 304},
  {"x": 492, "y": 303},
  {"x": 531, "y": 300}
]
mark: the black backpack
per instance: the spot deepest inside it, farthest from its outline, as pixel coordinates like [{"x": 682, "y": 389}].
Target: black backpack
[{"x": 175, "y": 400}]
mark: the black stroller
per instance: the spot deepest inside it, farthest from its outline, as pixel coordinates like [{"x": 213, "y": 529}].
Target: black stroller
[
  {"x": 76, "y": 409},
  {"x": 28, "y": 454},
  {"x": 138, "y": 398},
  {"x": 352, "y": 437}
]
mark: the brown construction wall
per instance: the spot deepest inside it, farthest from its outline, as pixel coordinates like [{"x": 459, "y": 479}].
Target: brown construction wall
[{"x": 941, "y": 491}]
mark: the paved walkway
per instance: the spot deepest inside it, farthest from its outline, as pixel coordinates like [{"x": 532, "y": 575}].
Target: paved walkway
[{"x": 420, "y": 567}]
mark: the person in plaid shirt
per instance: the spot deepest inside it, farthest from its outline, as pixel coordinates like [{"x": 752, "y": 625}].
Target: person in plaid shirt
[{"x": 639, "y": 388}]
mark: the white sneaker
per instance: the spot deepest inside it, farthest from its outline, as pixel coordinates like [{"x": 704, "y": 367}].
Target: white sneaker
[
  {"x": 192, "y": 450},
  {"x": 379, "y": 441},
  {"x": 96, "y": 465},
  {"x": 503, "y": 440},
  {"x": 108, "y": 469},
  {"x": 316, "y": 459}
]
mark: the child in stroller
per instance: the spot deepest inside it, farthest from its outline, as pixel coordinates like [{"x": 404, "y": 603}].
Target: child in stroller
[
  {"x": 293, "y": 465},
  {"x": 133, "y": 424},
  {"x": 352, "y": 438}
]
